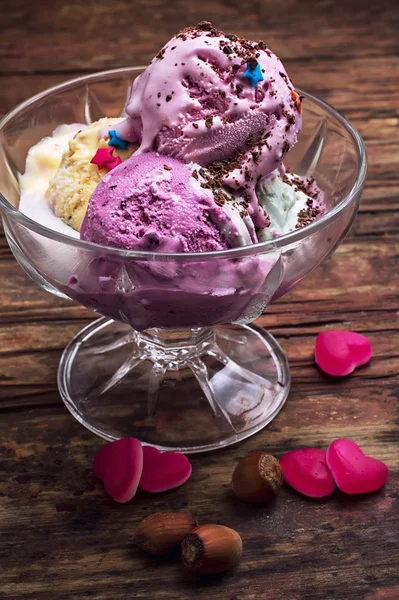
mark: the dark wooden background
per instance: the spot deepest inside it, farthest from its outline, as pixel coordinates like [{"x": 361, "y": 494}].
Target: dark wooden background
[{"x": 61, "y": 537}]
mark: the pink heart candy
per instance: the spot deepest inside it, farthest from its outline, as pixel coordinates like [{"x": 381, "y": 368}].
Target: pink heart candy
[
  {"x": 306, "y": 471},
  {"x": 163, "y": 471},
  {"x": 119, "y": 465},
  {"x": 353, "y": 471},
  {"x": 340, "y": 352}
]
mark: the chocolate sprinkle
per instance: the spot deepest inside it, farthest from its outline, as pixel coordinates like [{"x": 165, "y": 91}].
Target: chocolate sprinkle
[{"x": 168, "y": 98}]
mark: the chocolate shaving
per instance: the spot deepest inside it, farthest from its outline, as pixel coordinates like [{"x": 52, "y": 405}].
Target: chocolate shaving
[
  {"x": 302, "y": 185},
  {"x": 289, "y": 116},
  {"x": 205, "y": 26},
  {"x": 306, "y": 216},
  {"x": 240, "y": 47},
  {"x": 252, "y": 63},
  {"x": 209, "y": 122},
  {"x": 284, "y": 76}
]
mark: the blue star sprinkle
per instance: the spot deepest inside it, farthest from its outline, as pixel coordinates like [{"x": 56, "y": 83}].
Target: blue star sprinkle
[
  {"x": 116, "y": 141},
  {"x": 253, "y": 72}
]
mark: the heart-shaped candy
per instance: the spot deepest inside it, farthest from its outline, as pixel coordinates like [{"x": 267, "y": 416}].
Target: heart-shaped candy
[
  {"x": 306, "y": 471},
  {"x": 340, "y": 352},
  {"x": 163, "y": 471},
  {"x": 353, "y": 471},
  {"x": 119, "y": 465}
]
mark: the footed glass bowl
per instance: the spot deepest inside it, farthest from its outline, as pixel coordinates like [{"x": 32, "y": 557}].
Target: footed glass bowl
[{"x": 173, "y": 362}]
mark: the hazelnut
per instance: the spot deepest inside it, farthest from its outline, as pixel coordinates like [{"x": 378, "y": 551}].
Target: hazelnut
[
  {"x": 257, "y": 478},
  {"x": 160, "y": 533},
  {"x": 211, "y": 549}
]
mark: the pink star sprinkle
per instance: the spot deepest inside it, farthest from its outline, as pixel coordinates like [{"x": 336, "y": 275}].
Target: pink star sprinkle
[
  {"x": 103, "y": 157},
  {"x": 113, "y": 163}
]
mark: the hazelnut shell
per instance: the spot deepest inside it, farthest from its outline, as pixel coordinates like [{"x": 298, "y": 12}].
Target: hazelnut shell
[
  {"x": 160, "y": 533},
  {"x": 257, "y": 478},
  {"x": 211, "y": 549}
]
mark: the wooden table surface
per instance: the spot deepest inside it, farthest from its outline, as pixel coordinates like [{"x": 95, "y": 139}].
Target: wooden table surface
[{"x": 61, "y": 537}]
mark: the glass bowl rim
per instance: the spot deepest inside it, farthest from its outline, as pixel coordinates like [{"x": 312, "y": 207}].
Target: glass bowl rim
[{"x": 243, "y": 251}]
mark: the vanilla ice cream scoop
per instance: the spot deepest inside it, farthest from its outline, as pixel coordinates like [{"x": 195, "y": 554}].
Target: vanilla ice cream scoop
[{"x": 77, "y": 177}]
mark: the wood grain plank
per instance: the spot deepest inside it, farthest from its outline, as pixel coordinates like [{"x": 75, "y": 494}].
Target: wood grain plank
[
  {"x": 70, "y": 36},
  {"x": 299, "y": 549}
]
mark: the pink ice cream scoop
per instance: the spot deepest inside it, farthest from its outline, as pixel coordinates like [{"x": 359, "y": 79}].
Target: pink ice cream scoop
[
  {"x": 157, "y": 203},
  {"x": 153, "y": 202},
  {"x": 218, "y": 100}
]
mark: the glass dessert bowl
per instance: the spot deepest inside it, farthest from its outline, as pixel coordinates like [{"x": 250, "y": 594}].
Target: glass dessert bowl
[{"x": 173, "y": 361}]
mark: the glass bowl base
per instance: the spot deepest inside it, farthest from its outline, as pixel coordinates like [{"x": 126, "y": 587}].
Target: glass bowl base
[{"x": 185, "y": 390}]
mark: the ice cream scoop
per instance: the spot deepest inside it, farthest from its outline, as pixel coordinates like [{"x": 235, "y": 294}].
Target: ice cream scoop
[
  {"x": 220, "y": 101},
  {"x": 77, "y": 176},
  {"x": 154, "y": 202},
  {"x": 42, "y": 163},
  {"x": 290, "y": 202}
]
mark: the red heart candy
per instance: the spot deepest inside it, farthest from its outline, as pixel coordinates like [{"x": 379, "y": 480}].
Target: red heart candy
[
  {"x": 306, "y": 471},
  {"x": 163, "y": 471},
  {"x": 340, "y": 352},
  {"x": 353, "y": 471},
  {"x": 119, "y": 465}
]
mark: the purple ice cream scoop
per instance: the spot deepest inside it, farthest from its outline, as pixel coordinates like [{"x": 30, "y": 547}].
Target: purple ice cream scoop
[
  {"x": 152, "y": 202},
  {"x": 218, "y": 100},
  {"x": 157, "y": 203}
]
